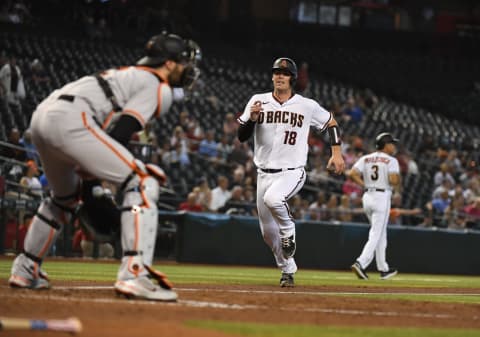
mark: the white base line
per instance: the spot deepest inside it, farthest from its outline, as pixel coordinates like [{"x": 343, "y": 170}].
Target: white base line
[
  {"x": 220, "y": 305},
  {"x": 280, "y": 292}
]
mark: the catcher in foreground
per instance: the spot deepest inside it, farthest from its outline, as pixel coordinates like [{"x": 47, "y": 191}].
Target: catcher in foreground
[{"x": 85, "y": 126}]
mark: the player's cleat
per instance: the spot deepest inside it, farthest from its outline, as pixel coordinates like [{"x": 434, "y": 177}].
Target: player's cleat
[
  {"x": 385, "y": 275},
  {"x": 26, "y": 274},
  {"x": 143, "y": 288},
  {"x": 288, "y": 246},
  {"x": 359, "y": 271},
  {"x": 287, "y": 280}
]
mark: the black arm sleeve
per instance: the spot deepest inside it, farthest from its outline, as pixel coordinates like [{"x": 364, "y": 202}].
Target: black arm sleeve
[
  {"x": 124, "y": 128},
  {"x": 245, "y": 130}
]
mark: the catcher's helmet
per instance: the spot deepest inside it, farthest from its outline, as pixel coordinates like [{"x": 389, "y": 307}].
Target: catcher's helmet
[
  {"x": 288, "y": 64},
  {"x": 383, "y": 139},
  {"x": 163, "y": 47}
]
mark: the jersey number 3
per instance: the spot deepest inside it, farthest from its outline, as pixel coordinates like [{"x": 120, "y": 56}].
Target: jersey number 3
[
  {"x": 290, "y": 137},
  {"x": 374, "y": 176}
]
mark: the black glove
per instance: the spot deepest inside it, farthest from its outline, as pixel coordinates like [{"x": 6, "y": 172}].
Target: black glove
[{"x": 98, "y": 213}]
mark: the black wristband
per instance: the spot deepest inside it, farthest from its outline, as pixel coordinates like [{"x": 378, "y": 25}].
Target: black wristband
[{"x": 334, "y": 133}]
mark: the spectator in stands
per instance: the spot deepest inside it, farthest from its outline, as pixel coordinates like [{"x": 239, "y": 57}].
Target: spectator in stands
[
  {"x": 12, "y": 82},
  {"x": 22, "y": 230},
  {"x": 453, "y": 211},
  {"x": 220, "y": 194},
  {"x": 331, "y": 208},
  {"x": 319, "y": 174},
  {"x": 179, "y": 137},
  {"x": 240, "y": 154},
  {"x": 412, "y": 166},
  {"x": 397, "y": 212},
  {"x": 472, "y": 212},
  {"x": 30, "y": 181},
  {"x": 179, "y": 156},
  {"x": 30, "y": 150},
  {"x": 445, "y": 186},
  {"x": 437, "y": 207},
  {"x": 317, "y": 209},
  {"x": 224, "y": 149},
  {"x": 230, "y": 126},
  {"x": 146, "y": 149},
  {"x": 344, "y": 212},
  {"x": 349, "y": 187},
  {"x": 195, "y": 134},
  {"x": 249, "y": 194},
  {"x": 443, "y": 174},
  {"x": 37, "y": 72},
  {"x": 209, "y": 147},
  {"x": 238, "y": 177},
  {"x": 472, "y": 190},
  {"x": 203, "y": 193},
  {"x": 236, "y": 204},
  {"x": 191, "y": 204},
  {"x": 353, "y": 110},
  {"x": 350, "y": 157},
  {"x": 184, "y": 120},
  {"x": 16, "y": 150},
  {"x": 165, "y": 153}
]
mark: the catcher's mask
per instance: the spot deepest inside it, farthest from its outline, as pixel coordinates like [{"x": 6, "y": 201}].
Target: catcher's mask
[
  {"x": 163, "y": 47},
  {"x": 285, "y": 63},
  {"x": 384, "y": 139}
]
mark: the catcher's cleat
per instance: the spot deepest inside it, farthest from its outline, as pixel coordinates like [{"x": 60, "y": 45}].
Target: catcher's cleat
[
  {"x": 385, "y": 275},
  {"x": 359, "y": 271},
  {"x": 287, "y": 280},
  {"x": 27, "y": 274},
  {"x": 143, "y": 288},
  {"x": 288, "y": 246}
]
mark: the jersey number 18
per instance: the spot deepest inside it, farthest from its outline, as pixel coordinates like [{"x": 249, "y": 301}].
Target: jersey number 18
[{"x": 290, "y": 137}]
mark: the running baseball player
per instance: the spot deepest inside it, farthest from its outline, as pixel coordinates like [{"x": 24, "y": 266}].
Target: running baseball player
[
  {"x": 378, "y": 173},
  {"x": 280, "y": 122},
  {"x": 84, "y": 127}
]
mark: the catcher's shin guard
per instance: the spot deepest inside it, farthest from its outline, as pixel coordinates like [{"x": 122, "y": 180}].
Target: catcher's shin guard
[
  {"x": 139, "y": 225},
  {"x": 47, "y": 223}
]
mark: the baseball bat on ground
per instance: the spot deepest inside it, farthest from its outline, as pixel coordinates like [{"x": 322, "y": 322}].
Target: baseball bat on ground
[{"x": 71, "y": 324}]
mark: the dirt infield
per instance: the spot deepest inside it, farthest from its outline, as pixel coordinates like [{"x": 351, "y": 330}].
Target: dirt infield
[{"x": 105, "y": 314}]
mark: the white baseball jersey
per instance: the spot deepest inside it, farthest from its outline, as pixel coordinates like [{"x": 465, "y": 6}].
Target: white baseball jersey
[
  {"x": 137, "y": 90},
  {"x": 281, "y": 131},
  {"x": 375, "y": 168}
]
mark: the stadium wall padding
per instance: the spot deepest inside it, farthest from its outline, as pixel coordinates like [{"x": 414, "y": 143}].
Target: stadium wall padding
[{"x": 224, "y": 239}]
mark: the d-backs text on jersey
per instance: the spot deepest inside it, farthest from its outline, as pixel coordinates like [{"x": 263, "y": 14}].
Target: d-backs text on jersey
[{"x": 285, "y": 117}]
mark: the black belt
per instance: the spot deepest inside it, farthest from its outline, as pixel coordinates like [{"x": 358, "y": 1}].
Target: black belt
[
  {"x": 276, "y": 170},
  {"x": 375, "y": 190},
  {"x": 68, "y": 98}
]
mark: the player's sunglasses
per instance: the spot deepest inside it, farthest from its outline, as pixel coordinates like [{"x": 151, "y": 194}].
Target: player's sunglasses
[{"x": 283, "y": 72}]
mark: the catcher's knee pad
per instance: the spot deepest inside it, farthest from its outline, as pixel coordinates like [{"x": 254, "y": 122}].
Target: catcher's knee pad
[
  {"x": 49, "y": 220},
  {"x": 139, "y": 221}
]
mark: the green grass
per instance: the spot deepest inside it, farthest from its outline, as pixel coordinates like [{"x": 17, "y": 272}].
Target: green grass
[
  {"x": 185, "y": 274},
  {"x": 182, "y": 274},
  {"x": 268, "y": 330}
]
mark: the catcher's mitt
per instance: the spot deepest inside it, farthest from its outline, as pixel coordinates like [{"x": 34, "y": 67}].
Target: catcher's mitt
[{"x": 98, "y": 213}]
